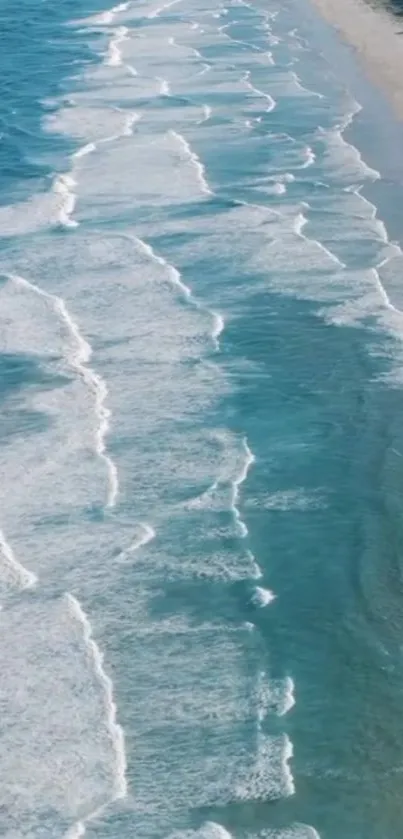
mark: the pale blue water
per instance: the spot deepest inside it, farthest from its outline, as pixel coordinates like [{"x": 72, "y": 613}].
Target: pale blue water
[{"x": 201, "y": 447}]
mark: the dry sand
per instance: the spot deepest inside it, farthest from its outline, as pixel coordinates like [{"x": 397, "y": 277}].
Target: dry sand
[{"x": 374, "y": 33}]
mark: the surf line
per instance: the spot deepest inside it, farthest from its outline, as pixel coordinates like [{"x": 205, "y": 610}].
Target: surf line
[
  {"x": 193, "y": 158},
  {"x": 21, "y": 576},
  {"x": 271, "y": 102},
  {"x": 175, "y": 278},
  {"x": 64, "y": 185},
  {"x": 113, "y": 56},
  {"x": 262, "y": 597},
  {"x": 115, "y": 730},
  {"x": 156, "y": 12},
  {"x": 106, "y": 18},
  {"x": 79, "y": 360}
]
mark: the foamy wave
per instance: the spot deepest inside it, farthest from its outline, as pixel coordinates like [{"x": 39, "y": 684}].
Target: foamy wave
[
  {"x": 206, "y": 114},
  {"x": 194, "y": 160},
  {"x": 249, "y": 459},
  {"x": 165, "y": 89},
  {"x": 289, "y": 499},
  {"x": 145, "y": 535},
  {"x": 274, "y": 696},
  {"x": 113, "y": 56},
  {"x": 156, "y": 12},
  {"x": 262, "y": 596},
  {"x": 209, "y": 830},
  {"x": 270, "y": 777},
  {"x": 129, "y": 123},
  {"x": 299, "y": 223},
  {"x": 271, "y": 102},
  {"x": 295, "y": 831},
  {"x": 106, "y": 18},
  {"x": 64, "y": 187},
  {"x": 79, "y": 360},
  {"x": 89, "y": 148},
  {"x": 19, "y": 575},
  {"x": 115, "y": 730},
  {"x": 176, "y": 280}
]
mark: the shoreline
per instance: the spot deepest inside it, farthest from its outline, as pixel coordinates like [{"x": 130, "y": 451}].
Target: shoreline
[{"x": 377, "y": 39}]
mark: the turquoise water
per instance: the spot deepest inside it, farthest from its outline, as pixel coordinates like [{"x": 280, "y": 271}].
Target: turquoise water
[{"x": 201, "y": 446}]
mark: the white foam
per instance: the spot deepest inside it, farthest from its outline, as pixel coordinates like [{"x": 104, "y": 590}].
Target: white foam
[
  {"x": 209, "y": 830},
  {"x": 156, "y": 12},
  {"x": 56, "y": 731},
  {"x": 270, "y": 776},
  {"x": 165, "y": 89},
  {"x": 114, "y": 55},
  {"x": 218, "y": 327},
  {"x": 194, "y": 160},
  {"x": 147, "y": 533},
  {"x": 289, "y": 698},
  {"x": 263, "y": 596},
  {"x": 295, "y": 831},
  {"x": 89, "y": 148},
  {"x": 304, "y": 90},
  {"x": 63, "y": 186},
  {"x": 271, "y": 102},
  {"x": 20, "y": 576},
  {"x": 106, "y": 18},
  {"x": 310, "y": 157},
  {"x": 176, "y": 279},
  {"x": 206, "y": 114},
  {"x": 130, "y": 121},
  {"x": 115, "y": 730},
  {"x": 79, "y": 360},
  {"x": 174, "y": 274},
  {"x": 205, "y": 69},
  {"x": 248, "y": 460},
  {"x": 299, "y": 223},
  {"x": 274, "y": 696}
]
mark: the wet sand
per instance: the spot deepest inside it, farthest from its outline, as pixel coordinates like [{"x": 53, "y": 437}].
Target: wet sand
[{"x": 378, "y": 39}]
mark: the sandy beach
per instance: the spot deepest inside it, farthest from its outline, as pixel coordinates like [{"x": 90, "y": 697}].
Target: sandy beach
[{"x": 378, "y": 39}]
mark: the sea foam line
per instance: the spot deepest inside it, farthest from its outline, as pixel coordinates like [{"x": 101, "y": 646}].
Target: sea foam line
[
  {"x": 271, "y": 102},
  {"x": 64, "y": 186},
  {"x": 176, "y": 280},
  {"x": 373, "y": 174},
  {"x": 157, "y": 12},
  {"x": 79, "y": 362},
  {"x": 262, "y": 596},
  {"x": 113, "y": 55},
  {"x": 106, "y": 18},
  {"x": 194, "y": 160},
  {"x": 26, "y": 579},
  {"x": 115, "y": 730},
  {"x": 299, "y": 223},
  {"x": 249, "y": 459},
  {"x": 146, "y": 535},
  {"x": 165, "y": 89}
]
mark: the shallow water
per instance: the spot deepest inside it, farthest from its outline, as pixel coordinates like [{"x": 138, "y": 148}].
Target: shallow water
[{"x": 201, "y": 371}]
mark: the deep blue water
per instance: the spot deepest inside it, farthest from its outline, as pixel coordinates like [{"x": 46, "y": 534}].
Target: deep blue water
[{"x": 200, "y": 440}]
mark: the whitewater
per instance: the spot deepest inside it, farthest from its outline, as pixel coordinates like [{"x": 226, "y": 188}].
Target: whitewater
[{"x": 200, "y": 364}]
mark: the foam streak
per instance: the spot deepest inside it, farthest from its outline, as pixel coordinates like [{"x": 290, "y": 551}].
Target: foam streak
[
  {"x": 194, "y": 160},
  {"x": 79, "y": 360},
  {"x": 64, "y": 187},
  {"x": 249, "y": 459},
  {"x": 23, "y": 577},
  {"x": 176, "y": 280},
  {"x": 114, "y": 55},
  {"x": 157, "y": 12},
  {"x": 106, "y": 684}
]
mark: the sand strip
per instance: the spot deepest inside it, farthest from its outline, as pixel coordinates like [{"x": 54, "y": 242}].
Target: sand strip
[{"x": 374, "y": 33}]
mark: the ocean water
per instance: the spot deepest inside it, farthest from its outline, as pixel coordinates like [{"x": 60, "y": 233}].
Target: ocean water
[{"x": 201, "y": 447}]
